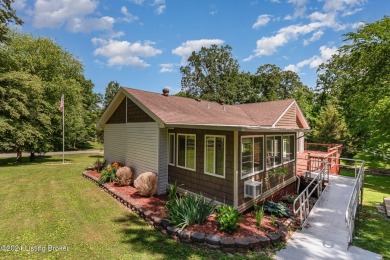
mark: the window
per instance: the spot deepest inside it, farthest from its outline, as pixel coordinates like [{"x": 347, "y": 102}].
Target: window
[
  {"x": 288, "y": 148},
  {"x": 186, "y": 151},
  {"x": 274, "y": 148},
  {"x": 251, "y": 155},
  {"x": 215, "y": 155},
  {"x": 171, "y": 149}
]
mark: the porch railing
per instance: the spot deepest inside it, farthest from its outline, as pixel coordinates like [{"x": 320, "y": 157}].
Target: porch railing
[{"x": 301, "y": 205}]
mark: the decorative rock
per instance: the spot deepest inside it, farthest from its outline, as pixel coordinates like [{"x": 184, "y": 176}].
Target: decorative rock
[
  {"x": 253, "y": 242},
  {"x": 184, "y": 235},
  {"x": 274, "y": 237},
  {"x": 146, "y": 184},
  {"x": 125, "y": 176},
  {"x": 264, "y": 241},
  {"x": 148, "y": 213},
  {"x": 197, "y": 237},
  {"x": 229, "y": 250},
  {"x": 213, "y": 240},
  {"x": 157, "y": 221},
  {"x": 282, "y": 234},
  {"x": 227, "y": 242},
  {"x": 171, "y": 230},
  {"x": 166, "y": 222},
  {"x": 241, "y": 243}
]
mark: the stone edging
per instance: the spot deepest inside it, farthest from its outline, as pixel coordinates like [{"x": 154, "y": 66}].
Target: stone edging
[{"x": 226, "y": 244}]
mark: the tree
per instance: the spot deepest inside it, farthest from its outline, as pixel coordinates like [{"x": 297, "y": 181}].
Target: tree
[
  {"x": 358, "y": 78},
  {"x": 330, "y": 127},
  {"x": 111, "y": 90},
  {"x": 211, "y": 74},
  {"x": 59, "y": 73},
  {"x": 24, "y": 113},
  {"x": 7, "y": 15}
]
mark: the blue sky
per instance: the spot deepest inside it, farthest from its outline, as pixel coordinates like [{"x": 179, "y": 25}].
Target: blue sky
[{"x": 143, "y": 43}]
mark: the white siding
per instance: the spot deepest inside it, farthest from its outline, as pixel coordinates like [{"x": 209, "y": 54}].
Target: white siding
[
  {"x": 142, "y": 147},
  {"x": 163, "y": 161},
  {"x": 115, "y": 142}
]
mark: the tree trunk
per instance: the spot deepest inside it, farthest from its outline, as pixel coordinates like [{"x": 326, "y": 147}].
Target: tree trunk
[
  {"x": 19, "y": 156},
  {"x": 32, "y": 156}
]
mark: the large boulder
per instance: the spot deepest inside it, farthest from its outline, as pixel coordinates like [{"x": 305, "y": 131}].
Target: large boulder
[
  {"x": 125, "y": 176},
  {"x": 146, "y": 184}
]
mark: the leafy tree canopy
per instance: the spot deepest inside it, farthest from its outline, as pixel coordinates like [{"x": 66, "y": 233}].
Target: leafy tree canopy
[{"x": 7, "y": 15}]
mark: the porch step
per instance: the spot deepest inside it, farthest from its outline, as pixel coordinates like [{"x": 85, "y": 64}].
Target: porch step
[{"x": 386, "y": 204}]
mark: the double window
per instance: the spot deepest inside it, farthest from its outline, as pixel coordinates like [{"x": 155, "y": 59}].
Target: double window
[
  {"x": 186, "y": 151},
  {"x": 280, "y": 149},
  {"x": 252, "y": 149},
  {"x": 215, "y": 155}
]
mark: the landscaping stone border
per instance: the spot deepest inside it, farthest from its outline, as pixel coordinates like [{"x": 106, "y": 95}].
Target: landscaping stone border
[{"x": 212, "y": 241}]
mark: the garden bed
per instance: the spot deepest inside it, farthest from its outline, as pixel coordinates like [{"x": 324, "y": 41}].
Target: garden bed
[{"x": 248, "y": 236}]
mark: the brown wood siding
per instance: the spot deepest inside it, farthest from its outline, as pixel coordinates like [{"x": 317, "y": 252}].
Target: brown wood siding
[
  {"x": 199, "y": 182},
  {"x": 289, "y": 119},
  {"x": 269, "y": 180},
  {"x": 119, "y": 115},
  {"x": 135, "y": 114}
]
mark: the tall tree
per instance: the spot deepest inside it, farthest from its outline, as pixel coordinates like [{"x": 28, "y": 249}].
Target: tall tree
[
  {"x": 358, "y": 78},
  {"x": 7, "y": 15},
  {"x": 211, "y": 74},
  {"x": 60, "y": 73},
  {"x": 111, "y": 90},
  {"x": 24, "y": 113}
]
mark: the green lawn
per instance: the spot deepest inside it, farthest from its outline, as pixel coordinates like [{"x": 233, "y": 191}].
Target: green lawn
[
  {"x": 373, "y": 229},
  {"x": 47, "y": 203}
]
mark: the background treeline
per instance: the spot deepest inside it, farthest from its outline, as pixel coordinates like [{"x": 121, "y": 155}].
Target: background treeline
[{"x": 349, "y": 105}]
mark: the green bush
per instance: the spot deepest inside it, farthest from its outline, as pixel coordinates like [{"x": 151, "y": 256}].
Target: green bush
[
  {"x": 188, "y": 209},
  {"x": 108, "y": 174},
  {"x": 259, "y": 215},
  {"x": 227, "y": 219},
  {"x": 277, "y": 209}
]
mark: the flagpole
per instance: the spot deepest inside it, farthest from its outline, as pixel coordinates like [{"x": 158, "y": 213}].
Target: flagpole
[{"x": 63, "y": 131}]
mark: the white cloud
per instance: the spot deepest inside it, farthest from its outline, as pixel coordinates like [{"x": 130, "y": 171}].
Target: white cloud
[
  {"x": 53, "y": 14},
  {"x": 129, "y": 17},
  {"x": 75, "y": 15},
  {"x": 125, "y": 53},
  {"x": 185, "y": 49},
  {"x": 262, "y": 20},
  {"x": 137, "y": 2},
  {"x": 299, "y": 9},
  {"x": 92, "y": 24},
  {"x": 313, "y": 62},
  {"x": 159, "y": 6},
  {"x": 358, "y": 25},
  {"x": 315, "y": 37},
  {"x": 19, "y": 4},
  {"x": 166, "y": 68}
]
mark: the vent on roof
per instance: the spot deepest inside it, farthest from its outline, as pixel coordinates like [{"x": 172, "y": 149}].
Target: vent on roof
[
  {"x": 165, "y": 91},
  {"x": 221, "y": 101}
]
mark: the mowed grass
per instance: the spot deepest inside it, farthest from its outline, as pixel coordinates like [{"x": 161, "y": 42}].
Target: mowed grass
[
  {"x": 46, "y": 203},
  {"x": 373, "y": 229}
]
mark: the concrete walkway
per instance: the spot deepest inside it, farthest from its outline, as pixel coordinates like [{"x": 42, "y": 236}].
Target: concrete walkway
[
  {"x": 327, "y": 234},
  {"x": 12, "y": 155}
]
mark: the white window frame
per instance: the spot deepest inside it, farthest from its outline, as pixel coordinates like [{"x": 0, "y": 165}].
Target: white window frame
[
  {"x": 253, "y": 162},
  {"x": 169, "y": 148},
  {"x": 281, "y": 152},
  {"x": 185, "y": 159},
  {"x": 294, "y": 147},
  {"x": 224, "y": 156}
]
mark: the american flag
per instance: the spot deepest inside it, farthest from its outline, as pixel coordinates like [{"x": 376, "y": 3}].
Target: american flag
[{"x": 61, "y": 108}]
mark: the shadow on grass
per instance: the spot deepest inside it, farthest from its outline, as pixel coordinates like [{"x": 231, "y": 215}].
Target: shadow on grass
[
  {"x": 142, "y": 239},
  {"x": 26, "y": 161}
]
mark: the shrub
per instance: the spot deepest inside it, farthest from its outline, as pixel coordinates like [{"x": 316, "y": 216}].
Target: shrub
[
  {"x": 107, "y": 175},
  {"x": 277, "y": 209},
  {"x": 259, "y": 215},
  {"x": 227, "y": 219},
  {"x": 188, "y": 209},
  {"x": 124, "y": 176},
  {"x": 146, "y": 184}
]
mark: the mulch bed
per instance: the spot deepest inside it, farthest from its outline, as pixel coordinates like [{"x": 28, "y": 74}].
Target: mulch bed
[{"x": 247, "y": 228}]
